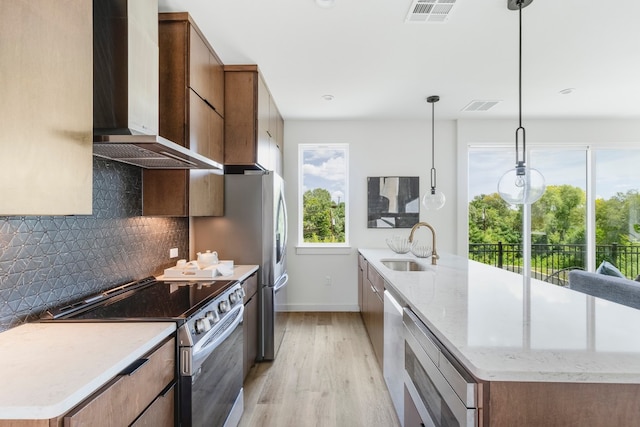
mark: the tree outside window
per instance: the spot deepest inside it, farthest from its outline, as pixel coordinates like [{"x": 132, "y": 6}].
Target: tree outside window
[
  {"x": 559, "y": 225},
  {"x": 323, "y": 194}
]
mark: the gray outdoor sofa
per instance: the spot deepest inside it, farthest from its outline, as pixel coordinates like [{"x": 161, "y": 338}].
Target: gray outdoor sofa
[{"x": 617, "y": 289}]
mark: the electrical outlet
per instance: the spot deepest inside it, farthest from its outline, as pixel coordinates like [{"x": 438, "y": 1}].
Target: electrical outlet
[
  {"x": 327, "y": 280},
  {"x": 173, "y": 253}
]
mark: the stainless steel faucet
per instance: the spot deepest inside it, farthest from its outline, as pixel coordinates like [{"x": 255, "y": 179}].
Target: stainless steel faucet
[{"x": 434, "y": 254}]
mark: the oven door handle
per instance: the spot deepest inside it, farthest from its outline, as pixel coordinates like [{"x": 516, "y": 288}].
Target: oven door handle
[{"x": 207, "y": 344}]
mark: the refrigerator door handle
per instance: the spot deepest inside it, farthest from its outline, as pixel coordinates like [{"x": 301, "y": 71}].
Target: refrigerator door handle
[{"x": 281, "y": 283}]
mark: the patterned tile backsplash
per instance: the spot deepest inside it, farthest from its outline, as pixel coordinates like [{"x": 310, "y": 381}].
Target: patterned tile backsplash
[{"x": 48, "y": 261}]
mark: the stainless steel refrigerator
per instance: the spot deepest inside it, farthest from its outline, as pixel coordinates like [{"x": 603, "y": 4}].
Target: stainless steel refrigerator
[{"x": 253, "y": 231}]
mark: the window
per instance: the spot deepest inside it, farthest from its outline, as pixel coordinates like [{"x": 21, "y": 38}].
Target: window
[
  {"x": 323, "y": 195},
  {"x": 591, "y": 191},
  {"x": 617, "y": 209}
]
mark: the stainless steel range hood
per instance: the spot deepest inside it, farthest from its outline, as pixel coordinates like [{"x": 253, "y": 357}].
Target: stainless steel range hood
[{"x": 125, "y": 89}]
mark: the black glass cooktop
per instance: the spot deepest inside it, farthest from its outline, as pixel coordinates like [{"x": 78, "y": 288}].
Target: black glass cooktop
[{"x": 156, "y": 300}]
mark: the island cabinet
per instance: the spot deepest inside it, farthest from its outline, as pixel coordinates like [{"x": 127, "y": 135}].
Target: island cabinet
[
  {"x": 192, "y": 115},
  {"x": 460, "y": 362},
  {"x": 254, "y": 128},
  {"x": 373, "y": 308},
  {"x": 250, "y": 322},
  {"x": 361, "y": 270},
  {"x": 142, "y": 395}
]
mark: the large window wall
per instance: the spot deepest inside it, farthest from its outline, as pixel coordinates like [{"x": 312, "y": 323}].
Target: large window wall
[{"x": 589, "y": 213}]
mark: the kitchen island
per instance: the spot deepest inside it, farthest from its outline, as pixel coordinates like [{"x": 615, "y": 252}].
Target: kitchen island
[{"x": 541, "y": 352}]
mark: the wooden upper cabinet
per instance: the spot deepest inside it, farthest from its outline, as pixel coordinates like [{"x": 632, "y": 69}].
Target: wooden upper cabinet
[
  {"x": 191, "y": 114},
  {"x": 46, "y": 108},
  {"x": 252, "y": 121},
  {"x": 206, "y": 71},
  {"x": 264, "y": 122}
]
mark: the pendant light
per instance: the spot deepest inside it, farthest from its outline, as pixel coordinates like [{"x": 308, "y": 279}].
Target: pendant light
[
  {"x": 433, "y": 199},
  {"x": 521, "y": 185}
]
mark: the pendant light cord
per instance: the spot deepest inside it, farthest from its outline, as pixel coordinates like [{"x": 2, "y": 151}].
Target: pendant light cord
[
  {"x": 520, "y": 127},
  {"x": 520, "y": 64},
  {"x": 433, "y": 150}
]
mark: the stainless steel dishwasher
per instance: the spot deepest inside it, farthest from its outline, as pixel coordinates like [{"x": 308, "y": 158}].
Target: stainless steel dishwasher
[
  {"x": 393, "y": 360},
  {"x": 436, "y": 385}
]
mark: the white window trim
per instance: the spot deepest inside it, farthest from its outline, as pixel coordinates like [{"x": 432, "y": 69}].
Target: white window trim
[{"x": 302, "y": 247}]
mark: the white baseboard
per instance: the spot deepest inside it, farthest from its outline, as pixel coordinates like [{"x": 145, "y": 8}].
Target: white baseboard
[{"x": 316, "y": 307}]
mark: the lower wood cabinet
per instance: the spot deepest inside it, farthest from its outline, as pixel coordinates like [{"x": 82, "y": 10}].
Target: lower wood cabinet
[
  {"x": 143, "y": 396},
  {"x": 250, "y": 322},
  {"x": 361, "y": 267},
  {"x": 373, "y": 308},
  {"x": 161, "y": 413}
]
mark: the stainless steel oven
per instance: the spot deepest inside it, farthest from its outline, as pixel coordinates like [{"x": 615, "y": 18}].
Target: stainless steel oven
[
  {"x": 211, "y": 372},
  {"x": 208, "y": 315},
  {"x": 436, "y": 385}
]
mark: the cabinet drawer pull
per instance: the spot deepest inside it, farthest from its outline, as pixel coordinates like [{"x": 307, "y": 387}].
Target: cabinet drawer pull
[
  {"x": 374, "y": 290},
  {"x": 131, "y": 369}
]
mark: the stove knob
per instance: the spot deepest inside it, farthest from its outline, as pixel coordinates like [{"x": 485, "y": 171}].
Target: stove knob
[
  {"x": 241, "y": 293},
  {"x": 202, "y": 325},
  {"x": 224, "y": 306},
  {"x": 213, "y": 317},
  {"x": 233, "y": 298}
]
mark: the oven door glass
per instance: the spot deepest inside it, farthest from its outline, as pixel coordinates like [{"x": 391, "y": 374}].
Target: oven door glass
[{"x": 440, "y": 414}]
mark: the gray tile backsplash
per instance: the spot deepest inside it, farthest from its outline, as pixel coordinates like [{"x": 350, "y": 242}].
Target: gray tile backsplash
[{"x": 47, "y": 261}]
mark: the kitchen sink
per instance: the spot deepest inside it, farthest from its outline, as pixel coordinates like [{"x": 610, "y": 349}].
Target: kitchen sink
[{"x": 403, "y": 265}]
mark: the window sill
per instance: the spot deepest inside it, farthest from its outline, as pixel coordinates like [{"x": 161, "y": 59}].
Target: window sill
[{"x": 323, "y": 250}]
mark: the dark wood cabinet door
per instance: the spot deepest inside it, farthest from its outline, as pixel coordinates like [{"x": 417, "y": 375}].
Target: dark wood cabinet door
[
  {"x": 200, "y": 78},
  {"x": 199, "y": 129},
  {"x": 240, "y": 120},
  {"x": 127, "y": 396},
  {"x": 250, "y": 326}
]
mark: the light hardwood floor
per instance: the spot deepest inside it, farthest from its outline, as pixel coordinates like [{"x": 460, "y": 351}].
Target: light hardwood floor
[{"x": 325, "y": 375}]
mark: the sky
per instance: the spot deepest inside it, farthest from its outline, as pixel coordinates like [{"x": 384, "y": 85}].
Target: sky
[
  {"x": 616, "y": 170},
  {"x": 325, "y": 168}
]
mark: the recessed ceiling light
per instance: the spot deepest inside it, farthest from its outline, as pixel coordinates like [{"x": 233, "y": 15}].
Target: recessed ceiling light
[
  {"x": 327, "y": 97},
  {"x": 325, "y": 3},
  {"x": 567, "y": 91}
]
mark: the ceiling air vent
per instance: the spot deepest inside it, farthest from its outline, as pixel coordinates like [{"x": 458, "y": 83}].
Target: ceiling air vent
[
  {"x": 480, "y": 105},
  {"x": 429, "y": 10}
]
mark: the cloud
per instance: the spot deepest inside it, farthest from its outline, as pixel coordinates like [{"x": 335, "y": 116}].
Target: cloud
[{"x": 332, "y": 168}]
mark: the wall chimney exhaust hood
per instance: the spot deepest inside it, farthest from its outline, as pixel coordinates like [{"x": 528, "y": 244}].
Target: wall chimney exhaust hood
[{"x": 126, "y": 89}]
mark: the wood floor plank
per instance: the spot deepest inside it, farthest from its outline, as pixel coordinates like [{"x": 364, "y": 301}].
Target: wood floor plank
[{"x": 325, "y": 375}]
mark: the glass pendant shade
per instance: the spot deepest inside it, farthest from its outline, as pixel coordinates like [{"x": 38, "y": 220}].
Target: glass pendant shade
[
  {"x": 521, "y": 185},
  {"x": 433, "y": 200}
]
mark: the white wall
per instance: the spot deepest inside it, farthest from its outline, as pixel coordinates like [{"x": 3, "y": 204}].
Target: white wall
[{"x": 387, "y": 148}]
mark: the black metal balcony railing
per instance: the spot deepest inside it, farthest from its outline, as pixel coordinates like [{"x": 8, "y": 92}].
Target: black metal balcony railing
[{"x": 553, "y": 262}]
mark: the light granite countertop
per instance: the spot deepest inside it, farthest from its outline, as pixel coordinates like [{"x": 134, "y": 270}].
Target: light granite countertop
[
  {"x": 48, "y": 368},
  {"x": 504, "y": 327}
]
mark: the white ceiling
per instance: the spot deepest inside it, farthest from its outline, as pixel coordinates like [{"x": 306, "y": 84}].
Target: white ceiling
[{"x": 379, "y": 67}]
